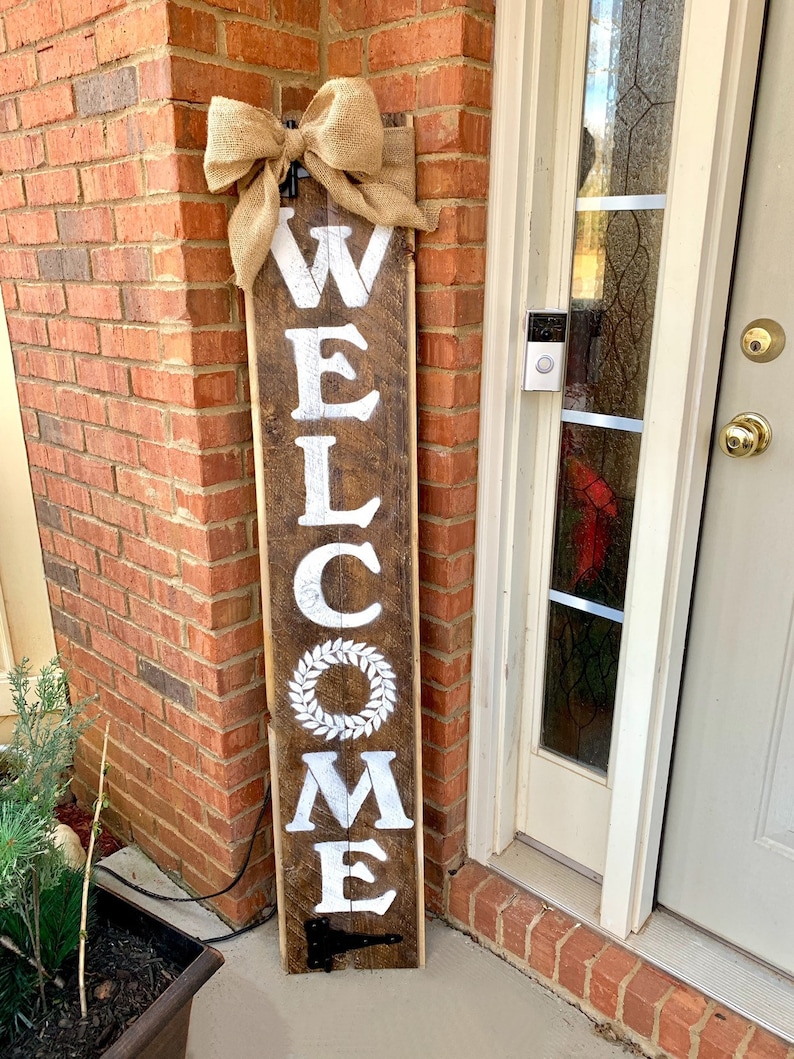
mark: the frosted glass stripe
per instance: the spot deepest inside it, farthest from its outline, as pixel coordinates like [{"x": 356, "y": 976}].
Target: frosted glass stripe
[
  {"x": 598, "y": 419},
  {"x": 587, "y": 203},
  {"x": 587, "y": 605}
]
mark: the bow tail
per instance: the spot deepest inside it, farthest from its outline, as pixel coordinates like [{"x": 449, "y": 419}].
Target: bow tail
[{"x": 251, "y": 226}]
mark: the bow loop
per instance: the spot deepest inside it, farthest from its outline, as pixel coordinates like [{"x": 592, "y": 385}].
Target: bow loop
[{"x": 367, "y": 169}]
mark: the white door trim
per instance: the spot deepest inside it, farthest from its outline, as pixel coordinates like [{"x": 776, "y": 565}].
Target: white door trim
[{"x": 718, "y": 72}]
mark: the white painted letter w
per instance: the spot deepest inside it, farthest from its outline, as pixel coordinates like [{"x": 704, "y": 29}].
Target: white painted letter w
[{"x": 306, "y": 285}]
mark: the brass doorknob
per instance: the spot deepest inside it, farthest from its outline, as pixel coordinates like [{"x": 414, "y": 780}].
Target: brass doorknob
[{"x": 747, "y": 434}]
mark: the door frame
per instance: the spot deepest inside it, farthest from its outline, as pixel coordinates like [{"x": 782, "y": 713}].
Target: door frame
[
  {"x": 536, "y": 45},
  {"x": 25, "y": 619}
]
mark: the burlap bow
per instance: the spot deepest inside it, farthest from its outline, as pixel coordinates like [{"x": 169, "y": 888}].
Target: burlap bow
[{"x": 341, "y": 141}]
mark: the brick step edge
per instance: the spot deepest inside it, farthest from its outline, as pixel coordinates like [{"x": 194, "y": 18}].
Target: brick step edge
[{"x": 660, "y": 1015}]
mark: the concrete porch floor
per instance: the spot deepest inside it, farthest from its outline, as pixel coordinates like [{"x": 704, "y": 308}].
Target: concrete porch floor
[{"x": 465, "y": 1004}]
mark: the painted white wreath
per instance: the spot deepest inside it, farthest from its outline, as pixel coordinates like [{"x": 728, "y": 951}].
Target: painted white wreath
[{"x": 382, "y": 686}]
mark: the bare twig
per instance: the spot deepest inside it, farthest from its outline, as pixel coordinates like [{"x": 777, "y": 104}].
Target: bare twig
[
  {"x": 87, "y": 876},
  {"x": 11, "y": 945}
]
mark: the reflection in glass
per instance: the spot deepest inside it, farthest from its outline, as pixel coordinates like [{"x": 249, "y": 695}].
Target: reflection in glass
[
  {"x": 615, "y": 271},
  {"x": 581, "y": 673},
  {"x": 595, "y": 504},
  {"x": 632, "y": 71}
]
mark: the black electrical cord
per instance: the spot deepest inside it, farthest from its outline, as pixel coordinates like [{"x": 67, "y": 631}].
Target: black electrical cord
[
  {"x": 242, "y": 930},
  {"x": 201, "y": 897}
]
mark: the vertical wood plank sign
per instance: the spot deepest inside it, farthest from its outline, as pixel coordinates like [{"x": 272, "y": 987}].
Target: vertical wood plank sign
[{"x": 334, "y": 412}]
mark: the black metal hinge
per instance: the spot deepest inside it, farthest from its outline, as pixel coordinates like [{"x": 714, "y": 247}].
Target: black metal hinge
[{"x": 325, "y": 942}]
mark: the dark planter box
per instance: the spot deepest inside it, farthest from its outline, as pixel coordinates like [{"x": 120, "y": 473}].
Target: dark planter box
[{"x": 161, "y": 1031}]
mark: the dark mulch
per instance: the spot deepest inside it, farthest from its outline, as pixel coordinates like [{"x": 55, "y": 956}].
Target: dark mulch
[
  {"x": 124, "y": 975},
  {"x": 80, "y": 820}
]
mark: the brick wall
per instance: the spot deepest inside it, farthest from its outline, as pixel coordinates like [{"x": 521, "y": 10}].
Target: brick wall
[{"x": 130, "y": 353}]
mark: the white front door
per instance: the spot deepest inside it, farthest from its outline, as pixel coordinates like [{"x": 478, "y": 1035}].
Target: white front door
[{"x": 728, "y": 853}]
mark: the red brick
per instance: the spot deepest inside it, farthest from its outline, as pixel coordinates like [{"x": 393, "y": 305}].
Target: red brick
[
  {"x": 50, "y": 365},
  {"x": 119, "y": 180},
  {"x": 17, "y": 73},
  {"x": 516, "y": 919},
  {"x": 608, "y": 972},
  {"x": 489, "y": 902},
  {"x": 139, "y": 419},
  {"x": 179, "y": 78},
  {"x": 103, "y": 375},
  {"x": 212, "y": 389},
  {"x": 453, "y": 130},
  {"x": 74, "y": 335},
  {"x": 345, "y": 58},
  {"x": 188, "y": 28},
  {"x": 450, "y": 266},
  {"x": 171, "y": 220},
  {"x": 224, "y": 346},
  {"x": 362, "y": 14},
  {"x": 456, "y": 85},
  {"x": 84, "y": 225},
  {"x": 96, "y": 534},
  {"x": 112, "y": 446},
  {"x": 77, "y": 12},
  {"x": 305, "y": 13},
  {"x": 176, "y": 172},
  {"x": 95, "y": 473},
  {"x": 722, "y": 1035},
  {"x": 47, "y": 189},
  {"x": 67, "y": 57},
  {"x": 32, "y": 228},
  {"x": 47, "y": 106},
  {"x": 99, "y": 303},
  {"x": 155, "y": 620},
  {"x": 18, "y": 264},
  {"x": 12, "y": 194},
  {"x": 259, "y": 46},
  {"x": 131, "y": 31},
  {"x": 463, "y": 887},
  {"x": 118, "y": 513},
  {"x": 83, "y": 142},
  {"x": 643, "y": 994},
  {"x": 546, "y": 934},
  {"x": 9, "y": 120},
  {"x": 150, "y": 557},
  {"x": 27, "y": 331},
  {"x": 43, "y": 298},
  {"x": 430, "y": 40},
  {"x": 33, "y": 22},
  {"x": 122, "y": 574},
  {"x": 126, "y": 343},
  {"x": 764, "y": 1046},
  {"x": 575, "y": 956},
  {"x": 680, "y": 1013},
  {"x": 120, "y": 263},
  {"x": 113, "y": 651}
]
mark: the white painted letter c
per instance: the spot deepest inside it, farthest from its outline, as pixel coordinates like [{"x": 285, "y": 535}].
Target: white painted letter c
[{"x": 308, "y": 586}]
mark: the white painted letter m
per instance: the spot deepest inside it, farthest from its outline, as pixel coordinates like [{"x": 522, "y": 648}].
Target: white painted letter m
[{"x": 322, "y": 775}]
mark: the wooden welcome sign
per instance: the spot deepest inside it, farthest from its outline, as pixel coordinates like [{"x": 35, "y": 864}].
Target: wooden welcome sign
[{"x": 331, "y": 320}]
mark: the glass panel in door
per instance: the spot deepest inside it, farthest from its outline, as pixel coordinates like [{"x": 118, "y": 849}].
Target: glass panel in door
[{"x": 630, "y": 87}]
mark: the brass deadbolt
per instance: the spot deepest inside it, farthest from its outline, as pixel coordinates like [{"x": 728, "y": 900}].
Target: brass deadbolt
[
  {"x": 747, "y": 434},
  {"x": 763, "y": 340}
]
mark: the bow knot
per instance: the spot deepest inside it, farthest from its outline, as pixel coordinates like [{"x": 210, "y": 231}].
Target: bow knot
[
  {"x": 341, "y": 141},
  {"x": 294, "y": 145}
]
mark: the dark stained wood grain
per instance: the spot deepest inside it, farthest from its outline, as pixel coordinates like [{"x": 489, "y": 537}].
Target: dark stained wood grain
[{"x": 369, "y": 459}]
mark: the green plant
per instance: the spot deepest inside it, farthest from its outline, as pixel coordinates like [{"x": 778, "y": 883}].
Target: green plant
[{"x": 39, "y": 897}]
